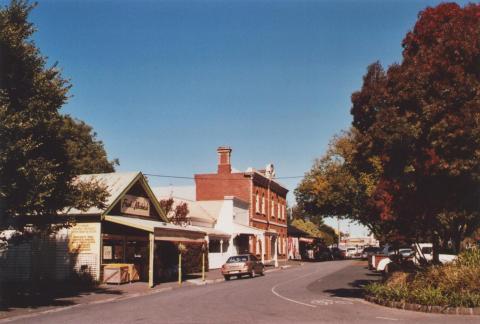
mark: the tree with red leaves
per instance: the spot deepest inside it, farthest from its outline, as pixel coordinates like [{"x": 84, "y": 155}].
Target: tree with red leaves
[
  {"x": 421, "y": 118},
  {"x": 412, "y": 169},
  {"x": 177, "y": 214}
]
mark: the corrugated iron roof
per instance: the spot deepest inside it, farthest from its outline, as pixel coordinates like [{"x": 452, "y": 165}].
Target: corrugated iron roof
[
  {"x": 115, "y": 184},
  {"x": 195, "y": 208}
]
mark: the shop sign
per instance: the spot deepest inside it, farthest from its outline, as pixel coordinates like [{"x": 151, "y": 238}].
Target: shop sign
[
  {"x": 84, "y": 238},
  {"x": 134, "y": 205}
]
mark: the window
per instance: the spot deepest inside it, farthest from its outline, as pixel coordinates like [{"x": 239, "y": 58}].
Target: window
[
  {"x": 257, "y": 203},
  {"x": 214, "y": 246},
  {"x": 263, "y": 204},
  {"x": 239, "y": 258},
  {"x": 272, "y": 209}
]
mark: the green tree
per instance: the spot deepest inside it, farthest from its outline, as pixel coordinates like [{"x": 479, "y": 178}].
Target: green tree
[
  {"x": 316, "y": 228},
  {"x": 38, "y": 157},
  {"x": 336, "y": 187},
  {"x": 85, "y": 152}
]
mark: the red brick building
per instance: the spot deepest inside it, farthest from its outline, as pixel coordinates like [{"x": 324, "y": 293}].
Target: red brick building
[{"x": 267, "y": 199}]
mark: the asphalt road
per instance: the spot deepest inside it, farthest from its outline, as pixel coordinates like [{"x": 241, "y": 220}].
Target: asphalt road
[{"x": 316, "y": 292}]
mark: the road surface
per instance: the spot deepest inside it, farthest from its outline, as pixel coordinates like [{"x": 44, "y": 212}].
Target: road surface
[{"x": 327, "y": 292}]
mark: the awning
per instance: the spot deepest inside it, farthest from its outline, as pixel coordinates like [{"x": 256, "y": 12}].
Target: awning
[
  {"x": 248, "y": 230},
  {"x": 162, "y": 231},
  {"x": 211, "y": 232}
]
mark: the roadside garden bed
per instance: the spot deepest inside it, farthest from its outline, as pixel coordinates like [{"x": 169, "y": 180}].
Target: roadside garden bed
[{"x": 444, "y": 288}]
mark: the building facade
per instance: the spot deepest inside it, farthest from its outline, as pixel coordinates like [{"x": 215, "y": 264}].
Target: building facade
[
  {"x": 225, "y": 221},
  {"x": 266, "y": 198},
  {"x": 129, "y": 231}
]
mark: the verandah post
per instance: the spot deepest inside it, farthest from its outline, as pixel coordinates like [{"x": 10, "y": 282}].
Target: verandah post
[
  {"x": 179, "y": 268},
  {"x": 151, "y": 237}
]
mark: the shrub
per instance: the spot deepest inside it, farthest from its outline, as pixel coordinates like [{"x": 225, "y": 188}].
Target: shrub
[
  {"x": 469, "y": 258},
  {"x": 455, "y": 284}
]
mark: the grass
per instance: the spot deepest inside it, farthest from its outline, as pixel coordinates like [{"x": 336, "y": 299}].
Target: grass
[{"x": 456, "y": 284}]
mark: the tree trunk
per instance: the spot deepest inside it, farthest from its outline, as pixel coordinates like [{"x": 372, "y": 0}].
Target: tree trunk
[
  {"x": 436, "y": 249},
  {"x": 457, "y": 241}
]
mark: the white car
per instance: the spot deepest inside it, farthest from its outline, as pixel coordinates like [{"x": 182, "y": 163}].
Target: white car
[
  {"x": 406, "y": 252},
  {"x": 352, "y": 253},
  {"x": 420, "y": 250}
]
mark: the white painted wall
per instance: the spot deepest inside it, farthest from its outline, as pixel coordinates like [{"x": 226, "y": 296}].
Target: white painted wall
[{"x": 228, "y": 211}]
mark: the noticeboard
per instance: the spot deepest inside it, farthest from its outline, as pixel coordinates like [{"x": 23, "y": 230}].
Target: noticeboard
[{"x": 84, "y": 238}]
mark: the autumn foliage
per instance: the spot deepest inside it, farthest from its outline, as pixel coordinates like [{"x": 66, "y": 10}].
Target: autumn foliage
[
  {"x": 415, "y": 137},
  {"x": 176, "y": 213}
]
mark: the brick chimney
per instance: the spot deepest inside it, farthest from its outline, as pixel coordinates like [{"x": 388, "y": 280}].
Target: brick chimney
[{"x": 224, "y": 166}]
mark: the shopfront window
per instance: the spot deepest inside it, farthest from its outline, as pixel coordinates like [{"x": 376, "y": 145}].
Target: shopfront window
[{"x": 214, "y": 246}]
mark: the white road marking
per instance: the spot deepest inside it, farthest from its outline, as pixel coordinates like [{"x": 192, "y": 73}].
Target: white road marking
[
  {"x": 387, "y": 318},
  {"x": 319, "y": 302},
  {"x": 289, "y": 299},
  {"x": 326, "y": 302},
  {"x": 323, "y": 302}
]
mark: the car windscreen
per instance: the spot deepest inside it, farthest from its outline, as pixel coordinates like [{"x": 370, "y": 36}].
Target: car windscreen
[{"x": 239, "y": 258}]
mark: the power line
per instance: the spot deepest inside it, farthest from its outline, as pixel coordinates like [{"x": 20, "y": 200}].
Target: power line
[{"x": 211, "y": 178}]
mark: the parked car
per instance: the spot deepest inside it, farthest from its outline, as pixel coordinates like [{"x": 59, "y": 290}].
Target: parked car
[
  {"x": 387, "y": 250},
  {"x": 368, "y": 251},
  {"x": 406, "y": 252},
  {"x": 419, "y": 251},
  {"x": 353, "y": 253},
  {"x": 240, "y": 265},
  {"x": 425, "y": 250},
  {"x": 323, "y": 253},
  {"x": 338, "y": 254}
]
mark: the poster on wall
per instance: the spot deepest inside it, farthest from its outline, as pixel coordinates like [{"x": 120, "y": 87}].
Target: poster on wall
[
  {"x": 107, "y": 252},
  {"x": 118, "y": 252},
  {"x": 84, "y": 238}
]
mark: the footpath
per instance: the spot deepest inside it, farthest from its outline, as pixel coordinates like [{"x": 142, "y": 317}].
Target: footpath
[{"x": 61, "y": 298}]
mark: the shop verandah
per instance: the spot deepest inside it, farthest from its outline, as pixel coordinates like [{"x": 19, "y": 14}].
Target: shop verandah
[{"x": 149, "y": 247}]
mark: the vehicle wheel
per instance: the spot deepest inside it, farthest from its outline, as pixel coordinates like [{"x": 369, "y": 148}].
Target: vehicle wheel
[
  {"x": 252, "y": 273},
  {"x": 262, "y": 273},
  {"x": 227, "y": 278}
]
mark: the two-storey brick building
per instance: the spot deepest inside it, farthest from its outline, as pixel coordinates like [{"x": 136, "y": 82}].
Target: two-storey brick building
[{"x": 266, "y": 197}]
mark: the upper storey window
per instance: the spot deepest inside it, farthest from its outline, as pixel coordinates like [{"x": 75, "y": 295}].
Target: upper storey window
[
  {"x": 263, "y": 203},
  {"x": 272, "y": 209}
]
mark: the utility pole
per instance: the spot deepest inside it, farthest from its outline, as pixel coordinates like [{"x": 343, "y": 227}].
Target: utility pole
[{"x": 338, "y": 229}]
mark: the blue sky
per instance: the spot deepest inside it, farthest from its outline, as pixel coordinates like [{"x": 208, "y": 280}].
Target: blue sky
[{"x": 165, "y": 83}]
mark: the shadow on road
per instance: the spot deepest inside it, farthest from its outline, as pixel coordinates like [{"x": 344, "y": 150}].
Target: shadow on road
[
  {"x": 347, "y": 283},
  {"x": 354, "y": 291},
  {"x": 14, "y": 296}
]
